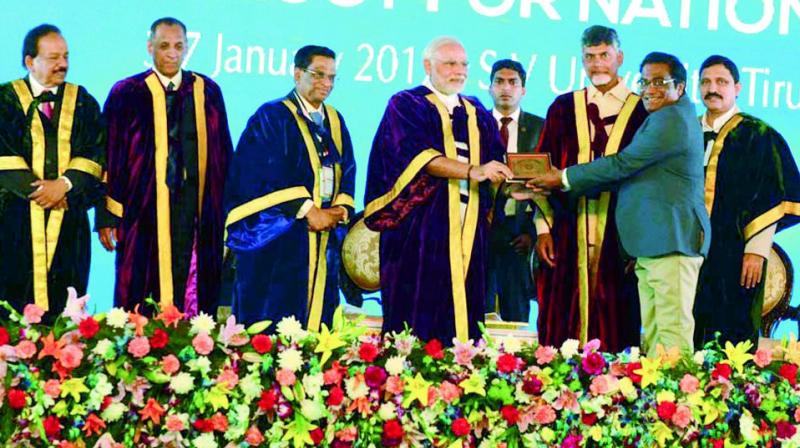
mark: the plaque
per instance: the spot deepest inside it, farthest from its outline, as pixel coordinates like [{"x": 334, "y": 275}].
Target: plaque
[{"x": 527, "y": 166}]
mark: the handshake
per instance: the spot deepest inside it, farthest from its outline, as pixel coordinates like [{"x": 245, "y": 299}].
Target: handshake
[{"x": 322, "y": 219}]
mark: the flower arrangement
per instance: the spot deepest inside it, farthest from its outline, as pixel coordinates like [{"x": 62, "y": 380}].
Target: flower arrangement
[{"x": 123, "y": 379}]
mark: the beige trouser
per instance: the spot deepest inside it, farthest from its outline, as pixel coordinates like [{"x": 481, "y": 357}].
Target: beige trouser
[{"x": 667, "y": 287}]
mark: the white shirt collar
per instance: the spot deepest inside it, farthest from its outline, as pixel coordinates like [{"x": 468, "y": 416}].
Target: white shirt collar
[
  {"x": 450, "y": 101},
  {"x": 165, "y": 80},
  {"x": 307, "y": 107},
  {"x": 514, "y": 115},
  {"x": 37, "y": 89},
  {"x": 720, "y": 121},
  {"x": 619, "y": 91}
]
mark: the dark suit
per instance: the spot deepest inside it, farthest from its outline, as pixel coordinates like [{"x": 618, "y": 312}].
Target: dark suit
[{"x": 510, "y": 280}]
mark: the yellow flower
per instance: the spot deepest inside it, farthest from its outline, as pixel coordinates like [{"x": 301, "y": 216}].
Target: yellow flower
[
  {"x": 791, "y": 349},
  {"x": 662, "y": 433},
  {"x": 665, "y": 395},
  {"x": 327, "y": 342},
  {"x": 596, "y": 433},
  {"x": 649, "y": 371},
  {"x": 668, "y": 357},
  {"x": 475, "y": 384},
  {"x": 73, "y": 387},
  {"x": 628, "y": 389},
  {"x": 417, "y": 390},
  {"x": 737, "y": 355}
]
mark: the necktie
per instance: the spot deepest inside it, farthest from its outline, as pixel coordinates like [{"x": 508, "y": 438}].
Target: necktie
[
  {"x": 316, "y": 117},
  {"x": 170, "y": 86},
  {"x": 46, "y": 99},
  {"x": 47, "y": 110},
  {"x": 600, "y": 135},
  {"x": 504, "y": 130},
  {"x": 708, "y": 136}
]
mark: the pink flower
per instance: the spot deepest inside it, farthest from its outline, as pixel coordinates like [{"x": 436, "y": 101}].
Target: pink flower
[
  {"x": 395, "y": 385},
  {"x": 682, "y": 416},
  {"x": 25, "y": 349},
  {"x": 71, "y": 356},
  {"x": 464, "y": 352},
  {"x": 53, "y": 388},
  {"x": 76, "y": 306},
  {"x": 689, "y": 384},
  {"x": 285, "y": 377},
  {"x": 449, "y": 391},
  {"x": 545, "y": 354},
  {"x": 203, "y": 344},
  {"x": 591, "y": 346},
  {"x": 253, "y": 436},
  {"x": 174, "y": 423},
  {"x": 33, "y": 314},
  {"x": 797, "y": 415},
  {"x": 593, "y": 363},
  {"x": 567, "y": 400},
  {"x": 229, "y": 377},
  {"x": 763, "y": 357},
  {"x": 139, "y": 347},
  {"x": 348, "y": 434},
  {"x": 170, "y": 364},
  {"x": 601, "y": 384},
  {"x": 544, "y": 415}
]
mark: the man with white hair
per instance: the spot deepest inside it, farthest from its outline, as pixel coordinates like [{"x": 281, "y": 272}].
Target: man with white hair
[{"x": 431, "y": 168}]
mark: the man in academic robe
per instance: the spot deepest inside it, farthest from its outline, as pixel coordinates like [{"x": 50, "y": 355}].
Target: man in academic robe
[
  {"x": 752, "y": 191},
  {"x": 660, "y": 214},
  {"x": 290, "y": 187},
  {"x": 51, "y": 155},
  {"x": 429, "y": 195},
  {"x": 510, "y": 286},
  {"x": 584, "y": 290},
  {"x": 168, "y": 151}
]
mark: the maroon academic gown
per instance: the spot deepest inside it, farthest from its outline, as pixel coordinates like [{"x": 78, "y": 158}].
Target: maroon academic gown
[
  {"x": 613, "y": 307},
  {"x": 138, "y": 200}
]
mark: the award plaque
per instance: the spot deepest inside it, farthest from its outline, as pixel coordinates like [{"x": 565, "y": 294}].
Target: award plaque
[{"x": 527, "y": 166}]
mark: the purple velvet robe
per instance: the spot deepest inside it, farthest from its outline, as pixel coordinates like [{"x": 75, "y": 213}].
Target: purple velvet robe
[
  {"x": 416, "y": 282},
  {"x": 132, "y": 183},
  {"x": 614, "y": 302}
]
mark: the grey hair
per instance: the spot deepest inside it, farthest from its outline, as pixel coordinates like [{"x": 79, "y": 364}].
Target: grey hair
[{"x": 438, "y": 43}]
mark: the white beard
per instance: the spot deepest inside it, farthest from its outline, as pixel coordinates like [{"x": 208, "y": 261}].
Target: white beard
[{"x": 601, "y": 79}]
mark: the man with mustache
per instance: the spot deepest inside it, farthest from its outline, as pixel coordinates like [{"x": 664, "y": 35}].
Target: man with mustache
[
  {"x": 584, "y": 290},
  {"x": 510, "y": 286},
  {"x": 660, "y": 214},
  {"x": 290, "y": 186},
  {"x": 431, "y": 168},
  {"x": 51, "y": 156},
  {"x": 168, "y": 151},
  {"x": 752, "y": 191}
]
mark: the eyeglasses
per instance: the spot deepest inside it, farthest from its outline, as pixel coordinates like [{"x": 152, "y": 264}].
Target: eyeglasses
[
  {"x": 658, "y": 83},
  {"x": 319, "y": 76}
]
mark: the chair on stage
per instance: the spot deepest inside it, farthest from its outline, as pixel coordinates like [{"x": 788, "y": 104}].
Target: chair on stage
[{"x": 778, "y": 293}]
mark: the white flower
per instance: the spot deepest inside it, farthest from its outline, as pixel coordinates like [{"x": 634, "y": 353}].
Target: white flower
[
  {"x": 182, "y": 383},
  {"x": 113, "y": 412},
  {"x": 202, "y": 323},
  {"x": 634, "y": 356},
  {"x": 311, "y": 410},
  {"x": 104, "y": 349},
  {"x": 100, "y": 390},
  {"x": 356, "y": 387},
  {"x": 206, "y": 440},
  {"x": 396, "y": 365},
  {"x": 747, "y": 427},
  {"x": 387, "y": 411},
  {"x": 313, "y": 384},
  {"x": 291, "y": 328},
  {"x": 117, "y": 318},
  {"x": 511, "y": 345},
  {"x": 569, "y": 348},
  {"x": 201, "y": 364},
  {"x": 251, "y": 386},
  {"x": 699, "y": 357},
  {"x": 290, "y": 359}
]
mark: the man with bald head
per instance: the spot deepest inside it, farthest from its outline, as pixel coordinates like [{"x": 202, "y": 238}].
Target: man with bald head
[
  {"x": 168, "y": 151},
  {"x": 431, "y": 169},
  {"x": 51, "y": 152}
]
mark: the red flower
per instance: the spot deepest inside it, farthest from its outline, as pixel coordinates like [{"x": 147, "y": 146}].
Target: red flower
[
  {"x": 630, "y": 370},
  {"x": 507, "y": 363},
  {"x": 52, "y": 427},
  {"x": 17, "y": 399},
  {"x": 335, "y": 396},
  {"x": 261, "y": 343},
  {"x": 434, "y": 349},
  {"x": 460, "y": 427},
  {"x": 393, "y": 430},
  {"x": 789, "y": 371},
  {"x": 159, "y": 339},
  {"x": 532, "y": 386},
  {"x": 88, "y": 327},
  {"x": 666, "y": 409},
  {"x": 785, "y": 430},
  {"x": 203, "y": 425},
  {"x": 589, "y": 419},
  {"x": 268, "y": 400},
  {"x": 4, "y": 337},
  {"x": 593, "y": 363},
  {"x": 716, "y": 443},
  {"x": 368, "y": 352},
  {"x": 93, "y": 425},
  {"x": 510, "y": 414},
  {"x": 317, "y": 436},
  {"x": 106, "y": 402},
  {"x": 375, "y": 376},
  {"x": 721, "y": 371}
]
